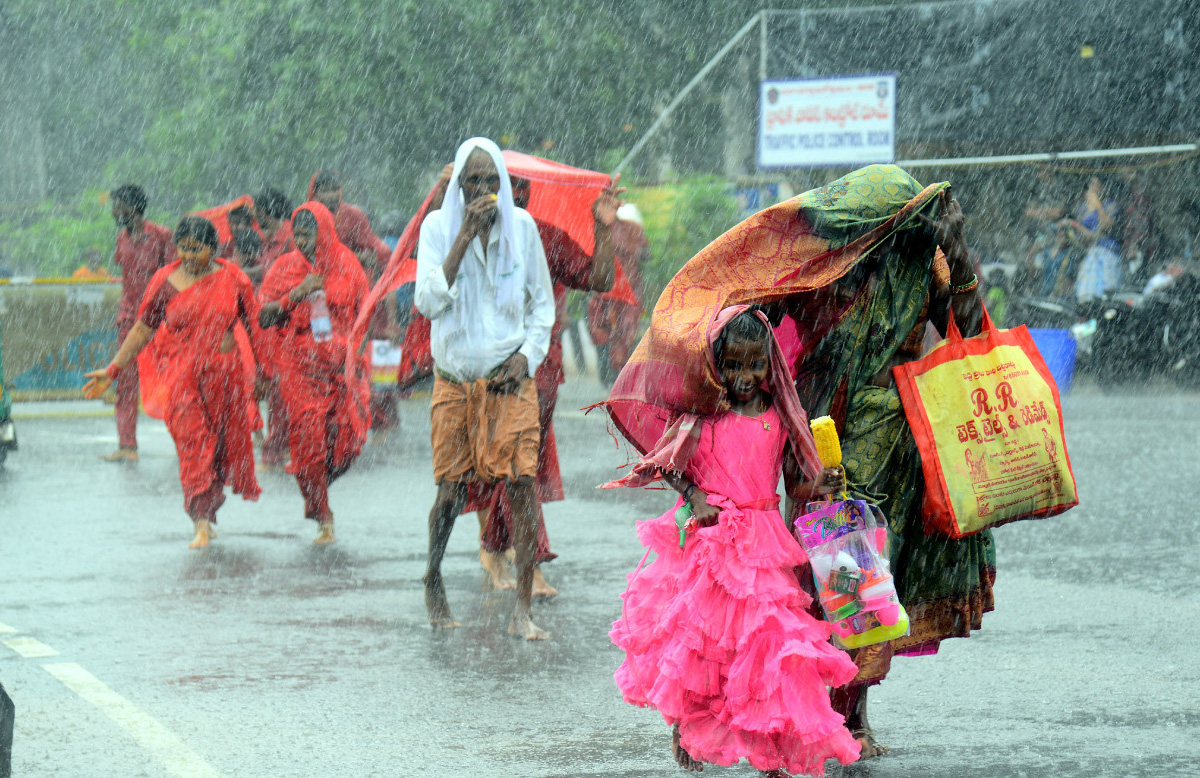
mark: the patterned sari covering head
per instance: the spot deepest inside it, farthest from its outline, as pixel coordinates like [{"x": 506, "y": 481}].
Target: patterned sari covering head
[{"x": 798, "y": 246}]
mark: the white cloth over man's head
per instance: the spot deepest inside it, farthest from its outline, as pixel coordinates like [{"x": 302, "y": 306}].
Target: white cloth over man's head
[{"x": 510, "y": 287}]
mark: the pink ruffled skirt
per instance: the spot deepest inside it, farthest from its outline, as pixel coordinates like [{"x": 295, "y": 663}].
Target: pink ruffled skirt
[{"x": 717, "y": 639}]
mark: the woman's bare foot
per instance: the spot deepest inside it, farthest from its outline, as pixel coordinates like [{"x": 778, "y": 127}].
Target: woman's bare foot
[
  {"x": 870, "y": 747},
  {"x": 326, "y": 537},
  {"x": 682, "y": 757},
  {"x": 499, "y": 574},
  {"x": 851, "y": 702},
  {"x": 541, "y": 589},
  {"x": 121, "y": 455},
  {"x": 524, "y": 627},
  {"x": 200, "y": 540}
]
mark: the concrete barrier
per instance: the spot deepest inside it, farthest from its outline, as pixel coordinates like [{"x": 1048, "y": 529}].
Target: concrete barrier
[{"x": 55, "y": 330}]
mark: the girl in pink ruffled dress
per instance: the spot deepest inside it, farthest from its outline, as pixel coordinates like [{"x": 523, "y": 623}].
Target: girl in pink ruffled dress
[{"x": 716, "y": 634}]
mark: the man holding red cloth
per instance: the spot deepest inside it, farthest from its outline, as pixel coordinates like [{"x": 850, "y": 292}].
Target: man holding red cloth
[
  {"x": 612, "y": 322},
  {"x": 142, "y": 248}
]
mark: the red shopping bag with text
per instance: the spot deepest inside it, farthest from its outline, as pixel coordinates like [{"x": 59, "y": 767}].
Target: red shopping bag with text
[{"x": 987, "y": 420}]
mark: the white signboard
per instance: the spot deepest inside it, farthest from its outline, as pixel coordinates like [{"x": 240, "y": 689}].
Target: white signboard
[{"x": 825, "y": 122}]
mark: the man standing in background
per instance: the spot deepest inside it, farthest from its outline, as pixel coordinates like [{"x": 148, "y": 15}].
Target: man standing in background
[{"x": 142, "y": 248}]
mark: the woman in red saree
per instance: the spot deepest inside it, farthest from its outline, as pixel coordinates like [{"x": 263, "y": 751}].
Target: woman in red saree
[
  {"x": 196, "y": 371},
  {"x": 326, "y": 395}
]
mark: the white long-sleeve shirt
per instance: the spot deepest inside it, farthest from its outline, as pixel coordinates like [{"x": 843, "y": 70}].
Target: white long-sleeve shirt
[{"x": 471, "y": 345}]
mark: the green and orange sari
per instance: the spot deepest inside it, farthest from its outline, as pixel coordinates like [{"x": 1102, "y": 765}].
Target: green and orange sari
[{"x": 853, "y": 263}]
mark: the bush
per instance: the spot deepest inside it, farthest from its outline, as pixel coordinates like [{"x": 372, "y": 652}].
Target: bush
[
  {"x": 50, "y": 239},
  {"x": 680, "y": 219}
]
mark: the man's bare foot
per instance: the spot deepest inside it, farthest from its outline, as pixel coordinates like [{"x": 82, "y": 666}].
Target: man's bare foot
[
  {"x": 496, "y": 566},
  {"x": 200, "y": 540},
  {"x": 437, "y": 607},
  {"x": 524, "y": 627},
  {"x": 121, "y": 455},
  {"x": 541, "y": 589},
  {"x": 326, "y": 537},
  {"x": 870, "y": 748},
  {"x": 682, "y": 757}
]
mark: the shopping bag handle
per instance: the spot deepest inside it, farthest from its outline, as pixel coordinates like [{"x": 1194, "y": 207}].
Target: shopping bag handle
[{"x": 954, "y": 334}]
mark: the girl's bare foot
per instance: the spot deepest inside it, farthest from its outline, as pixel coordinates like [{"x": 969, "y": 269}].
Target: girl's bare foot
[
  {"x": 326, "y": 537},
  {"x": 499, "y": 574},
  {"x": 200, "y": 540},
  {"x": 524, "y": 627},
  {"x": 541, "y": 589},
  {"x": 682, "y": 757}
]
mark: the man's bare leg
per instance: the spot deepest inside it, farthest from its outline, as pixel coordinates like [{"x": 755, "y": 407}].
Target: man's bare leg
[
  {"x": 523, "y": 498},
  {"x": 495, "y": 563},
  {"x": 451, "y": 497}
]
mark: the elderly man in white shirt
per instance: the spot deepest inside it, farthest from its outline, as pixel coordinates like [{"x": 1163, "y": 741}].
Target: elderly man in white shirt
[{"x": 483, "y": 282}]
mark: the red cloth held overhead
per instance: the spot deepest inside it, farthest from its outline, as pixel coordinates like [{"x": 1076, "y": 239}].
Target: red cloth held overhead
[
  {"x": 219, "y": 216},
  {"x": 326, "y": 386}
]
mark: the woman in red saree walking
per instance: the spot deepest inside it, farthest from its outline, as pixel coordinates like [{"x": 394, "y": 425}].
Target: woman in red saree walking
[
  {"x": 326, "y": 394},
  {"x": 197, "y": 373}
]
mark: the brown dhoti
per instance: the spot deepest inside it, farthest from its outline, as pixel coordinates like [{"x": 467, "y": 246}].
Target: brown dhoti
[{"x": 479, "y": 434}]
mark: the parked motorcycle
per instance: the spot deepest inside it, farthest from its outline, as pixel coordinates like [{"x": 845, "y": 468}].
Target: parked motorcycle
[{"x": 1147, "y": 333}]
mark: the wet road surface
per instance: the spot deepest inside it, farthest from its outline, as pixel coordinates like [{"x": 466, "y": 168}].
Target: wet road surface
[{"x": 129, "y": 655}]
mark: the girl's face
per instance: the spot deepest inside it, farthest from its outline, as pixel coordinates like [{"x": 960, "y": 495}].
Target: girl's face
[
  {"x": 743, "y": 369},
  {"x": 195, "y": 255}
]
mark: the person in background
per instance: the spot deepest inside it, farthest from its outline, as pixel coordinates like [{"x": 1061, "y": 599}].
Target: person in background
[
  {"x": 1054, "y": 266},
  {"x": 354, "y": 231},
  {"x": 241, "y": 220},
  {"x": 247, "y": 255},
  {"x": 273, "y": 211},
  {"x": 613, "y": 324},
  {"x": 1096, "y": 224},
  {"x": 142, "y": 248},
  {"x": 350, "y": 221},
  {"x": 92, "y": 268}
]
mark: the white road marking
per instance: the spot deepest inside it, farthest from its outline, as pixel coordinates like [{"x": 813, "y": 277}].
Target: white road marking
[
  {"x": 30, "y": 648},
  {"x": 179, "y": 759},
  {"x": 5, "y": 629}
]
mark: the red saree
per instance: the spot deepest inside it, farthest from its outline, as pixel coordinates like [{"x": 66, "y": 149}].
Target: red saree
[
  {"x": 326, "y": 386},
  {"x": 203, "y": 395}
]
